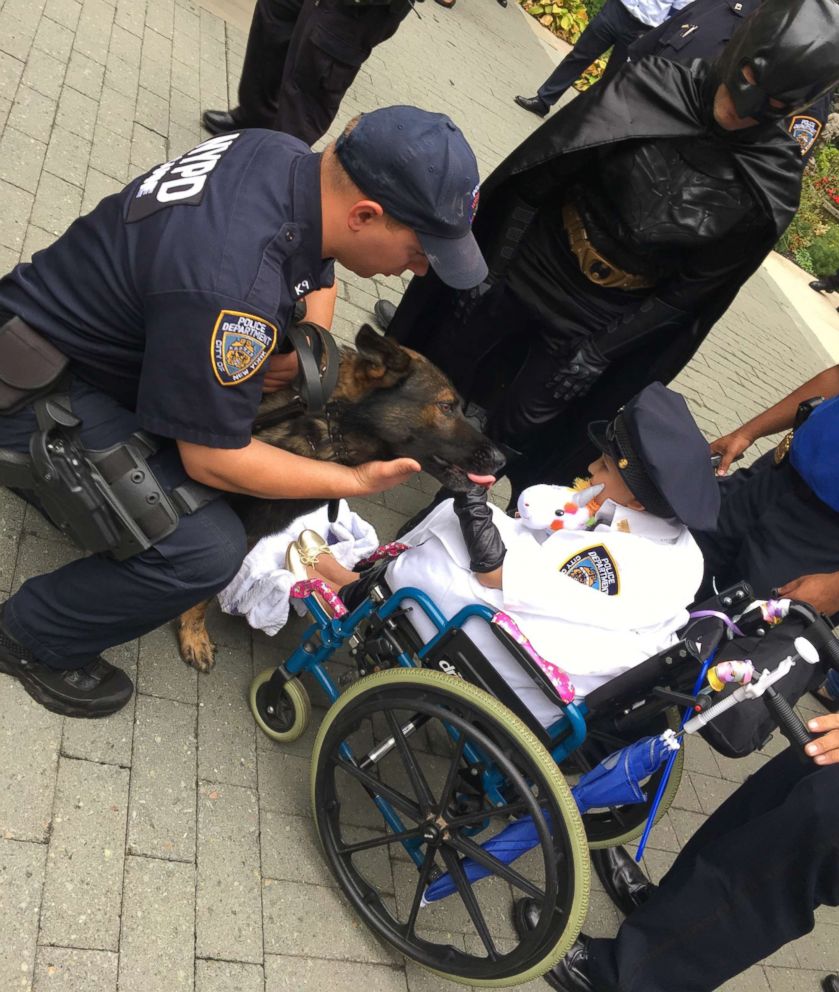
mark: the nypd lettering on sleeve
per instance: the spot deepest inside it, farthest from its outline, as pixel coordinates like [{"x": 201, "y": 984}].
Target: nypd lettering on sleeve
[
  {"x": 180, "y": 181},
  {"x": 240, "y": 344},
  {"x": 594, "y": 567}
]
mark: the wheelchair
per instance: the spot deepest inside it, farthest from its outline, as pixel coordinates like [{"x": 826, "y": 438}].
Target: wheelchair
[{"x": 426, "y": 766}]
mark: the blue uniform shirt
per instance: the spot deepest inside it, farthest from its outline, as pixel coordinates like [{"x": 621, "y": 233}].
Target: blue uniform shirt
[
  {"x": 170, "y": 295},
  {"x": 813, "y": 452}
]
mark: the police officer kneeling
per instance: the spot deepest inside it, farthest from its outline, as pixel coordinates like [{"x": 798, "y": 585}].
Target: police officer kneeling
[{"x": 159, "y": 312}]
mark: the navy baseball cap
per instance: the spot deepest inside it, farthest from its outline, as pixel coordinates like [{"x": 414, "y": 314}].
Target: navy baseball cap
[
  {"x": 662, "y": 456},
  {"x": 420, "y": 168}
]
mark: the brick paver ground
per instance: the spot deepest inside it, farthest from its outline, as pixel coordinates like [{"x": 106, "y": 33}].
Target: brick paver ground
[{"x": 170, "y": 848}]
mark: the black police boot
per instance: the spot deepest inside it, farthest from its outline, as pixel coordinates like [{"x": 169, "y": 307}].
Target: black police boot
[
  {"x": 535, "y": 104},
  {"x": 571, "y": 974},
  {"x": 627, "y": 886},
  {"x": 96, "y": 690},
  {"x": 503, "y": 3},
  {"x": 383, "y": 311},
  {"x": 830, "y": 983},
  {"x": 818, "y": 286},
  {"x": 219, "y": 122}
]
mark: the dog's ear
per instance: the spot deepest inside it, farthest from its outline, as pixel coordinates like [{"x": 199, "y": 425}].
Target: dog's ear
[{"x": 383, "y": 359}]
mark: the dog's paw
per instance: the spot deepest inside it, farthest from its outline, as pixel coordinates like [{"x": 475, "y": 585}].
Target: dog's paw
[{"x": 197, "y": 650}]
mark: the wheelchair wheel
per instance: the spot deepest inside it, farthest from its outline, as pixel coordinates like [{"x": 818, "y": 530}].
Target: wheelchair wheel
[
  {"x": 392, "y": 817},
  {"x": 619, "y": 825},
  {"x": 283, "y": 720}
]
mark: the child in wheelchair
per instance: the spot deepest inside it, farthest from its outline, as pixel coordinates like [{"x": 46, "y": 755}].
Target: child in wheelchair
[{"x": 594, "y": 602}]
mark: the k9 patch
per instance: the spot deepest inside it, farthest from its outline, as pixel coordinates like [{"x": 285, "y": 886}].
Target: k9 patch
[
  {"x": 594, "y": 567},
  {"x": 805, "y": 130},
  {"x": 240, "y": 344}
]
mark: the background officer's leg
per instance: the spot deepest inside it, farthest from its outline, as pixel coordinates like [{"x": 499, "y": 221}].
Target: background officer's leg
[
  {"x": 265, "y": 57},
  {"x": 68, "y": 616},
  {"x": 614, "y": 24},
  {"x": 331, "y": 42},
  {"x": 747, "y": 883}
]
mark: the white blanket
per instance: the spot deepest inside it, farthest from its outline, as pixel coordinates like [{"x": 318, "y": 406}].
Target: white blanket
[{"x": 260, "y": 590}]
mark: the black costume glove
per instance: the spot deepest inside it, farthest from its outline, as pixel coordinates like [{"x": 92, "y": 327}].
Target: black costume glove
[
  {"x": 483, "y": 542},
  {"x": 576, "y": 375}
]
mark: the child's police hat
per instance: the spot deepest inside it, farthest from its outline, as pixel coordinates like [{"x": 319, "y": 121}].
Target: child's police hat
[
  {"x": 662, "y": 456},
  {"x": 420, "y": 168}
]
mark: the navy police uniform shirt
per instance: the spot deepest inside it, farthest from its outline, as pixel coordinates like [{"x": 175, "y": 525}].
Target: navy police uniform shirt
[
  {"x": 813, "y": 452},
  {"x": 171, "y": 295}
]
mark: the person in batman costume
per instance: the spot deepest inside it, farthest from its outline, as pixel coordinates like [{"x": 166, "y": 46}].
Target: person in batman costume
[
  {"x": 620, "y": 232},
  {"x": 700, "y": 31}
]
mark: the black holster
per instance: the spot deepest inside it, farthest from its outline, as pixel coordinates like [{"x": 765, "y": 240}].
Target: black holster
[{"x": 107, "y": 501}]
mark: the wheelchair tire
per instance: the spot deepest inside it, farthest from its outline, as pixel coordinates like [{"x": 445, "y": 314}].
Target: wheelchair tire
[
  {"x": 480, "y": 720},
  {"x": 607, "y": 829},
  {"x": 290, "y": 721}
]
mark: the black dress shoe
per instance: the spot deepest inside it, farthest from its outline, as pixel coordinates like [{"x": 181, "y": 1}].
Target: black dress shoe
[
  {"x": 535, "y": 104},
  {"x": 503, "y": 3},
  {"x": 627, "y": 886},
  {"x": 383, "y": 311},
  {"x": 830, "y": 983},
  {"x": 571, "y": 974},
  {"x": 98, "y": 689},
  {"x": 219, "y": 122}
]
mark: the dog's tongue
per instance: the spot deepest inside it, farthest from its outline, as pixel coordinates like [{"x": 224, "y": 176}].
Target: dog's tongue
[{"x": 481, "y": 480}]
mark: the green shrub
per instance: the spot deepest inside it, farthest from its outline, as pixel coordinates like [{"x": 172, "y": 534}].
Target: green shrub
[
  {"x": 803, "y": 260},
  {"x": 824, "y": 252}
]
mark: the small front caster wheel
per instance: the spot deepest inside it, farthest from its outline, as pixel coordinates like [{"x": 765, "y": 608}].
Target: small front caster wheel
[{"x": 283, "y": 719}]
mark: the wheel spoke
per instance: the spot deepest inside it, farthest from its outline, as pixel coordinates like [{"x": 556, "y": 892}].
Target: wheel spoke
[
  {"x": 422, "y": 789},
  {"x": 470, "y": 819},
  {"x": 422, "y": 884},
  {"x": 467, "y": 894},
  {"x": 454, "y": 768},
  {"x": 477, "y": 853},
  {"x": 375, "y": 787},
  {"x": 383, "y": 841}
]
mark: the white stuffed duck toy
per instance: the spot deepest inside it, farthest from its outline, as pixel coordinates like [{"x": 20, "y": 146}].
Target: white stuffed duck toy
[{"x": 546, "y": 509}]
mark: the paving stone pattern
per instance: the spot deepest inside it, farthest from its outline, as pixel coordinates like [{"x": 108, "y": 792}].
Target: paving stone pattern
[{"x": 170, "y": 848}]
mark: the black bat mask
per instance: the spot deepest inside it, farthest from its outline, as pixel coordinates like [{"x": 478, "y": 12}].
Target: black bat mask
[{"x": 792, "y": 49}]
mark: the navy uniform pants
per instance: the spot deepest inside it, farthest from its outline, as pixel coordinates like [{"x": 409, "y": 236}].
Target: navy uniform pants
[
  {"x": 614, "y": 25},
  {"x": 746, "y": 883},
  {"x": 771, "y": 530},
  {"x": 303, "y": 56},
  {"x": 74, "y": 613}
]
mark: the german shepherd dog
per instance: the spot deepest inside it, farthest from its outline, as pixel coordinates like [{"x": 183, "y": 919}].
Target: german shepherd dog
[{"x": 389, "y": 402}]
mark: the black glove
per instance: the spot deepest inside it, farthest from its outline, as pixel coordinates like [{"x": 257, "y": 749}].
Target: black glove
[
  {"x": 576, "y": 375},
  {"x": 483, "y": 542}
]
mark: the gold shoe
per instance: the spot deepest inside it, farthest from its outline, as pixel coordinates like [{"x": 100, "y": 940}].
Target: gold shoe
[
  {"x": 294, "y": 562},
  {"x": 311, "y": 546}
]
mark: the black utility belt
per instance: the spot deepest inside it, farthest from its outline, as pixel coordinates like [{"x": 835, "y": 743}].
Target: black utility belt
[{"x": 106, "y": 501}]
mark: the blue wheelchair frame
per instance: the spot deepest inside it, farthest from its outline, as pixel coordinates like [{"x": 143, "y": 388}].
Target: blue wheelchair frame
[{"x": 333, "y": 633}]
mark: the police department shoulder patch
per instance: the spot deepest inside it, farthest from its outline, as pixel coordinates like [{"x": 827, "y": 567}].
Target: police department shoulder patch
[
  {"x": 805, "y": 130},
  {"x": 594, "y": 567},
  {"x": 240, "y": 344}
]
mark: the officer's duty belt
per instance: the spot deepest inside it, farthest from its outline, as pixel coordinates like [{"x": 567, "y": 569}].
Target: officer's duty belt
[
  {"x": 107, "y": 501},
  {"x": 593, "y": 265}
]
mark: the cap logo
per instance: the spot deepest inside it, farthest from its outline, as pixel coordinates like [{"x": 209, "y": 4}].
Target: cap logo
[{"x": 473, "y": 207}]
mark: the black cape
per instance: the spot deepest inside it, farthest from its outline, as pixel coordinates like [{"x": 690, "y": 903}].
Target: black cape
[{"x": 654, "y": 98}]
